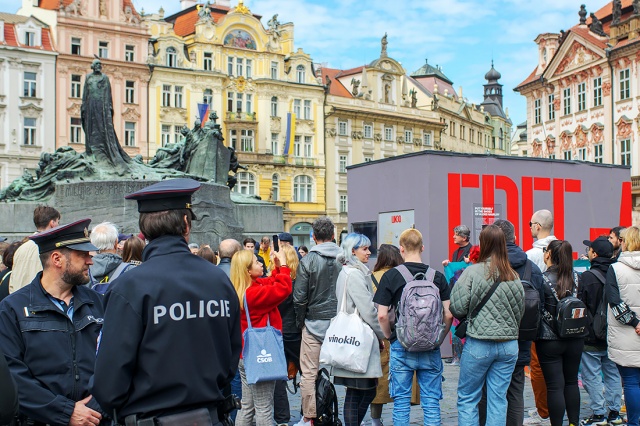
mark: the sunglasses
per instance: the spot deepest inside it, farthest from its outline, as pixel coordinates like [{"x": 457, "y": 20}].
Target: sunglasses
[
  {"x": 545, "y": 249},
  {"x": 533, "y": 223}
]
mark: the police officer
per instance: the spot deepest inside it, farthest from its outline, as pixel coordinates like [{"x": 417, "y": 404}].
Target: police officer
[
  {"x": 49, "y": 331},
  {"x": 171, "y": 340}
]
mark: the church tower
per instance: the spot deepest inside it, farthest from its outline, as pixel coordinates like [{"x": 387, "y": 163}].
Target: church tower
[{"x": 493, "y": 89}]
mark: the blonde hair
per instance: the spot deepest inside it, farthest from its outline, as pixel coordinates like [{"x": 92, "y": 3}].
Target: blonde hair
[
  {"x": 631, "y": 236},
  {"x": 240, "y": 278},
  {"x": 291, "y": 255},
  {"x": 411, "y": 240}
]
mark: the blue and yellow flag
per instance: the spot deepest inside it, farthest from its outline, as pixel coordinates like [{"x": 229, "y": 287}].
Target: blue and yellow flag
[{"x": 291, "y": 131}]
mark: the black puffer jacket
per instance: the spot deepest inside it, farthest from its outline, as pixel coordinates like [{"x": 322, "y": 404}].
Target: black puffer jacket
[{"x": 591, "y": 291}]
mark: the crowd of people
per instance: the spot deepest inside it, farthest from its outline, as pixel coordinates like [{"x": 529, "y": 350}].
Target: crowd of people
[{"x": 103, "y": 328}]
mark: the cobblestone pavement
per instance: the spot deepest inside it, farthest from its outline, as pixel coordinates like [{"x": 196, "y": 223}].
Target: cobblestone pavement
[{"x": 447, "y": 405}]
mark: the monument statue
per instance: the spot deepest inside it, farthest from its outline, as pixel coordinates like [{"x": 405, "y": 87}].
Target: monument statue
[
  {"x": 355, "y": 85},
  {"x": 101, "y": 141},
  {"x": 383, "y": 50},
  {"x": 596, "y": 26}
]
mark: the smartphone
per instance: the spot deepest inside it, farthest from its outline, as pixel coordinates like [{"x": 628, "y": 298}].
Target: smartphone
[{"x": 276, "y": 245}]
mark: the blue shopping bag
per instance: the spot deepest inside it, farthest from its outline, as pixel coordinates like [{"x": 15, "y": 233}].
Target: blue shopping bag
[{"x": 263, "y": 353}]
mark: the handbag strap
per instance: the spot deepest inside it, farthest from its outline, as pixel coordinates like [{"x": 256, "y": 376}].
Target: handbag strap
[
  {"x": 343, "y": 305},
  {"x": 485, "y": 299},
  {"x": 246, "y": 312}
]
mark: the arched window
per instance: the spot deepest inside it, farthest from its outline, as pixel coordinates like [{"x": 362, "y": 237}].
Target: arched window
[
  {"x": 302, "y": 189},
  {"x": 275, "y": 187},
  {"x": 274, "y": 106},
  {"x": 246, "y": 184},
  {"x": 501, "y": 145},
  {"x": 301, "y": 74},
  {"x": 172, "y": 57}
]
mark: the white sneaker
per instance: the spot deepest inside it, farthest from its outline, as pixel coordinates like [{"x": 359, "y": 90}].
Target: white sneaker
[
  {"x": 535, "y": 419},
  {"x": 303, "y": 423}
]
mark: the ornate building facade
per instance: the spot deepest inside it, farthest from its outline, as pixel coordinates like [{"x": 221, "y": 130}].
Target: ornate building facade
[
  {"x": 113, "y": 31},
  {"x": 254, "y": 79},
  {"x": 583, "y": 97},
  {"x": 377, "y": 111},
  {"x": 27, "y": 102}
]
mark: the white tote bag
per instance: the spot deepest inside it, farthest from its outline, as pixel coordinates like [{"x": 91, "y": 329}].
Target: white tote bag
[{"x": 348, "y": 342}]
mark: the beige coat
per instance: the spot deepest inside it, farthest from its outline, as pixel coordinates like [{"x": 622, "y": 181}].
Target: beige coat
[{"x": 26, "y": 265}]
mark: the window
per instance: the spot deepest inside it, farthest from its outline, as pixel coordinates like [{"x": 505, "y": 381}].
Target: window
[
  {"x": 233, "y": 139},
  {"x": 166, "y": 135},
  {"x": 307, "y": 110},
  {"x": 230, "y": 65},
  {"x": 308, "y": 146},
  {"x": 462, "y": 132},
  {"x": 368, "y": 159},
  {"x": 30, "y": 84},
  {"x": 368, "y": 131},
  {"x": 552, "y": 156},
  {"x": 239, "y": 66},
  {"x": 29, "y": 131},
  {"x": 625, "y": 80},
  {"x": 302, "y": 188},
  {"x": 103, "y": 49},
  {"x": 582, "y": 154},
  {"x": 274, "y": 106},
  {"x": 246, "y": 184},
  {"x": 274, "y": 70},
  {"x": 246, "y": 140},
  {"x": 29, "y": 38},
  {"x": 75, "y": 133},
  {"x": 166, "y": 95},
  {"x": 129, "y": 53},
  {"x": 452, "y": 129},
  {"x": 249, "y": 104},
  {"x": 625, "y": 152},
  {"x": 208, "y": 61},
  {"x": 172, "y": 57},
  {"x": 501, "y": 140},
  {"x": 343, "y": 203},
  {"x": 426, "y": 139},
  {"x": 275, "y": 138},
  {"x": 471, "y": 135},
  {"x": 342, "y": 128},
  {"x": 524, "y": 153},
  {"x": 275, "y": 187},
  {"x": 129, "y": 92},
  {"x": 297, "y": 149},
  {"x": 408, "y": 136},
  {"x": 177, "y": 90},
  {"x": 297, "y": 107},
  {"x": 249, "y": 68},
  {"x": 566, "y": 94},
  {"x": 536, "y": 111},
  {"x": 177, "y": 134},
  {"x": 129, "y": 133},
  {"x": 552, "y": 107},
  {"x": 597, "y": 91},
  {"x": 76, "y": 44},
  {"x": 567, "y": 154},
  {"x": 388, "y": 133},
  {"x": 75, "y": 86},
  {"x": 239, "y": 102},
  {"x": 342, "y": 164},
  {"x": 582, "y": 96},
  {"x": 597, "y": 153},
  {"x": 300, "y": 74},
  {"x": 207, "y": 97},
  {"x": 238, "y": 106}
]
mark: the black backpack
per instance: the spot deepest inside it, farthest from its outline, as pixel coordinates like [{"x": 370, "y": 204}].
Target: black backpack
[
  {"x": 599, "y": 323},
  {"x": 531, "y": 319},
  {"x": 326, "y": 401},
  {"x": 572, "y": 319}
]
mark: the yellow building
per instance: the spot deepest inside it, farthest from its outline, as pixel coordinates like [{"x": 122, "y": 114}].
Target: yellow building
[{"x": 254, "y": 79}]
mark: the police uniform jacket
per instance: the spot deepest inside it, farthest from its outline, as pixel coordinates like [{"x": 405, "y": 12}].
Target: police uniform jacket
[
  {"x": 51, "y": 357},
  {"x": 171, "y": 339}
]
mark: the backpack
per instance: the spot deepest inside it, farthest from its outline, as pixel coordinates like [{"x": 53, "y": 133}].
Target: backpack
[
  {"x": 531, "y": 319},
  {"x": 326, "y": 401},
  {"x": 572, "y": 320},
  {"x": 599, "y": 323},
  {"x": 419, "y": 315},
  {"x": 102, "y": 286}
]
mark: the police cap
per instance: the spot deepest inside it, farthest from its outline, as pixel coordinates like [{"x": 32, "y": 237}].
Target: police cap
[
  {"x": 74, "y": 236},
  {"x": 170, "y": 194}
]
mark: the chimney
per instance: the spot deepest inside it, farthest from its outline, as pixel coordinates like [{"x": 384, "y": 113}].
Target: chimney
[{"x": 186, "y": 4}]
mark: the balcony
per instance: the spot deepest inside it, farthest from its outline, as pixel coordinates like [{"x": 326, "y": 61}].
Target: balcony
[{"x": 237, "y": 117}]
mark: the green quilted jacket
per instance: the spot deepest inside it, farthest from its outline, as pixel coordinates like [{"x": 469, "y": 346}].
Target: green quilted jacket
[{"x": 500, "y": 318}]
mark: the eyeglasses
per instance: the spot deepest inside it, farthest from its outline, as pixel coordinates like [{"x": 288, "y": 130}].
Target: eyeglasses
[
  {"x": 545, "y": 249},
  {"x": 533, "y": 223}
]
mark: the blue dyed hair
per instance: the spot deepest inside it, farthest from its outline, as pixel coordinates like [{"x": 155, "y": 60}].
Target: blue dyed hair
[{"x": 351, "y": 242}]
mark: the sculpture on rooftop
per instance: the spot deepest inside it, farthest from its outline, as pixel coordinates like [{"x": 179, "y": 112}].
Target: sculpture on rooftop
[
  {"x": 583, "y": 14},
  {"x": 636, "y": 7},
  {"x": 383, "y": 43},
  {"x": 617, "y": 12},
  {"x": 596, "y": 26}
]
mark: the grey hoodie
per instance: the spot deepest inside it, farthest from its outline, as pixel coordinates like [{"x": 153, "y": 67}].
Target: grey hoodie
[
  {"x": 103, "y": 265},
  {"x": 535, "y": 254}
]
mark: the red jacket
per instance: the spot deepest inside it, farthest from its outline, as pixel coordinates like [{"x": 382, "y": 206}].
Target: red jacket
[{"x": 263, "y": 297}]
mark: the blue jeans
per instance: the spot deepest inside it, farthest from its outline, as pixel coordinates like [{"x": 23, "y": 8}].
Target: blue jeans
[
  {"x": 631, "y": 378},
  {"x": 491, "y": 362},
  {"x": 428, "y": 366},
  {"x": 594, "y": 366}
]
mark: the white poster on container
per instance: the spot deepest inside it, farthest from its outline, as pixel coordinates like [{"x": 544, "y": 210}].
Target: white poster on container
[{"x": 391, "y": 225}]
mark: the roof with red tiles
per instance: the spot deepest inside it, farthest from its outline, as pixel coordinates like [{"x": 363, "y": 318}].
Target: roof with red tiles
[
  {"x": 11, "y": 37},
  {"x": 55, "y": 5},
  {"x": 184, "y": 22},
  {"x": 351, "y": 71},
  {"x": 336, "y": 88}
]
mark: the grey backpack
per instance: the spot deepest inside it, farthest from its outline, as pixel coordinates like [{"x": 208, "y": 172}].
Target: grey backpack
[{"x": 419, "y": 316}]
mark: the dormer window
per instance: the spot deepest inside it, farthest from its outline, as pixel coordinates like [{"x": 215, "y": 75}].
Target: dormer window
[
  {"x": 29, "y": 38},
  {"x": 172, "y": 57},
  {"x": 300, "y": 73}
]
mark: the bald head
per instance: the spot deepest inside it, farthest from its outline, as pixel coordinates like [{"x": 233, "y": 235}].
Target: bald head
[
  {"x": 541, "y": 224},
  {"x": 228, "y": 248}
]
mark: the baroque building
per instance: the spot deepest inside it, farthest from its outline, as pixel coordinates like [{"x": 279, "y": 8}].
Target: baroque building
[
  {"x": 27, "y": 102},
  {"x": 113, "y": 31},
  {"x": 377, "y": 111},
  {"x": 583, "y": 96},
  {"x": 263, "y": 90}
]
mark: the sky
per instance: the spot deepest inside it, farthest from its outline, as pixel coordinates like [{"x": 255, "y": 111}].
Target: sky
[{"x": 461, "y": 36}]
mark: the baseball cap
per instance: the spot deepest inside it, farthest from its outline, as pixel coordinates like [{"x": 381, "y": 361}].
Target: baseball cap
[{"x": 601, "y": 246}]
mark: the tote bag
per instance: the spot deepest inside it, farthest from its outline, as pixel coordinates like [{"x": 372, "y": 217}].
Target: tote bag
[
  {"x": 263, "y": 352},
  {"x": 348, "y": 342}
]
